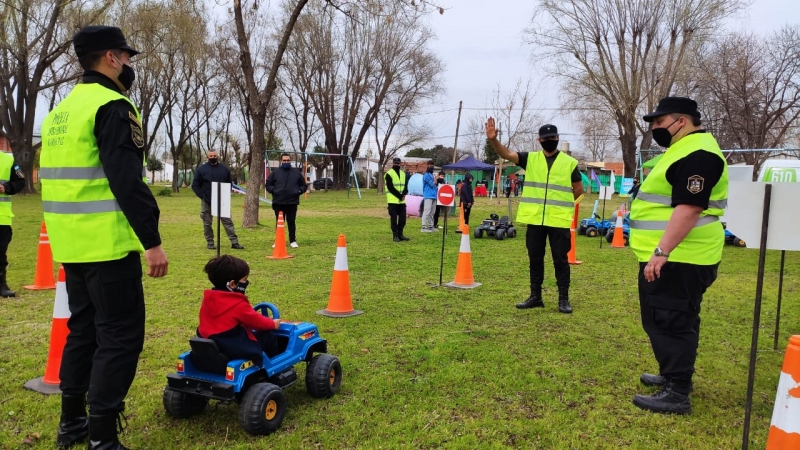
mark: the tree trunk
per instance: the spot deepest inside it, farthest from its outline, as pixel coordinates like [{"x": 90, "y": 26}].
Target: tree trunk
[{"x": 628, "y": 141}]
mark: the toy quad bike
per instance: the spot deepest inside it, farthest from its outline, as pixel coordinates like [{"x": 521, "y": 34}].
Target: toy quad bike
[
  {"x": 203, "y": 374},
  {"x": 497, "y": 227},
  {"x": 731, "y": 238},
  {"x": 594, "y": 227}
]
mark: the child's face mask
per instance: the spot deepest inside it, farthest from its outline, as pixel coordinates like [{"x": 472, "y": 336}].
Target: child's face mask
[{"x": 241, "y": 286}]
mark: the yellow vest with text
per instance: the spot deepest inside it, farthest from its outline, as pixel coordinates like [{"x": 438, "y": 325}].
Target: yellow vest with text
[
  {"x": 6, "y": 166},
  {"x": 399, "y": 182},
  {"x": 84, "y": 220},
  {"x": 547, "y": 198},
  {"x": 652, "y": 208}
]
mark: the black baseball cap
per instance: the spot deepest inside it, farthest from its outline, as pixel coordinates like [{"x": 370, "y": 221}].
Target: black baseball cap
[
  {"x": 95, "y": 38},
  {"x": 674, "y": 105},
  {"x": 397, "y": 160},
  {"x": 547, "y": 131}
]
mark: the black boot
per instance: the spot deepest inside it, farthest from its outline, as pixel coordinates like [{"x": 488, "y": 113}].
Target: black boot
[
  {"x": 534, "y": 301},
  {"x": 396, "y": 237},
  {"x": 5, "y": 291},
  {"x": 103, "y": 432},
  {"x": 400, "y": 235},
  {"x": 648, "y": 379},
  {"x": 671, "y": 399},
  {"x": 563, "y": 300},
  {"x": 74, "y": 425}
]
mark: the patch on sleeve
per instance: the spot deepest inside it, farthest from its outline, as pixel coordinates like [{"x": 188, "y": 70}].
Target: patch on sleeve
[
  {"x": 695, "y": 185},
  {"x": 135, "y": 119},
  {"x": 137, "y": 136}
]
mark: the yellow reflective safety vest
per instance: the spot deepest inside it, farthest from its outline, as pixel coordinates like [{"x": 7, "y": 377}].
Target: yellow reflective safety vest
[
  {"x": 84, "y": 220},
  {"x": 547, "y": 198},
  {"x": 399, "y": 182},
  {"x": 6, "y": 164},
  {"x": 652, "y": 208}
]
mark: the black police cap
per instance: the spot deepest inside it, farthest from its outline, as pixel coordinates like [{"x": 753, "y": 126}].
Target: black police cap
[
  {"x": 674, "y": 105},
  {"x": 397, "y": 160},
  {"x": 547, "y": 131},
  {"x": 96, "y": 38}
]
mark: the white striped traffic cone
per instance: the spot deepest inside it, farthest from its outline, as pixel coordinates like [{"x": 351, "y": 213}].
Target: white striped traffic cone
[
  {"x": 464, "y": 278},
  {"x": 48, "y": 384},
  {"x": 784, "y": 430},
  {"x": 340, "y": 302}
]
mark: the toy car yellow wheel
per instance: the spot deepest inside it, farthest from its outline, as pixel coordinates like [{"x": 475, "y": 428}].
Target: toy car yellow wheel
[
  {"x": 739, "y": 243},
  {"x": 323, "y": 376},
  {"x": 262, "y": 409},
  {"x": 591, "y": 232},
  {"x": 181, "y": 405}
]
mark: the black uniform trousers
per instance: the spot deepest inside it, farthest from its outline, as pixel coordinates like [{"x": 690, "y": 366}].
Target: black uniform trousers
[
  {"x": 289, "y": 216},
  {"x": 5, "y": 239},
  {"x": 397, "y": 214},
  {"x": 560, "y": 244},
  {"x": 106, "y": 331},
  {"x": 670, "y": 307}
]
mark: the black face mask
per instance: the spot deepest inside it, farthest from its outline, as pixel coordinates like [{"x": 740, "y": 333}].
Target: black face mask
[
  {"x": 212, "y": 161},
  {"x": 241, "y": 286},
  {"x": 396, "y": 167},
  {"x": 662, "y": 136},
  {"x": 430, "y": 169},
  {"x": 127, "y": 76},
  {"x": 550, "y": 146}
]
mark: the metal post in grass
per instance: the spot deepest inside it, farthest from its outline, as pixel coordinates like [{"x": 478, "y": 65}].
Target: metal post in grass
[
  {"x": 780, "y": 295},
  {"x": 219, "y": 213},
  {"x": 762, "y": 255}
]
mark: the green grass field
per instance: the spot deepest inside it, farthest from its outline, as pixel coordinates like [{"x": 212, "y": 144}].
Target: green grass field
[{"x": 423, "y": 367}]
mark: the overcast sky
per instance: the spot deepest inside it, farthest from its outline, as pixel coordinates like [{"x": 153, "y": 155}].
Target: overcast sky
[{"x": 480, "y": 42}]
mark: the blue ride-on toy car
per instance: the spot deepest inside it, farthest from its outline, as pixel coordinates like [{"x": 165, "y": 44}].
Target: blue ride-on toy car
[
  {"x": 594, "y": 227},
  {"x": 204, "y": 374},
  {"x": 626, "y": 229}
]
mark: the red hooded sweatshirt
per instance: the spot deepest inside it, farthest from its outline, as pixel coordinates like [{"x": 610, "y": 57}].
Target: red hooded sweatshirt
[{"x": 223, "y": 311}]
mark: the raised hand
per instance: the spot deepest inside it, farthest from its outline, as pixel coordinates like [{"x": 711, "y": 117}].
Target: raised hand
[{"x": 491, "y": 131}]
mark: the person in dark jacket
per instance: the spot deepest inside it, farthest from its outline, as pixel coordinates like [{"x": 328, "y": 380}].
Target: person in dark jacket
[
  {"x": 227, "y": 318},
  {"x": 213, "y": 171},
  {"x": 466, "y": 197},
  {"x": 286, "y": 185}
]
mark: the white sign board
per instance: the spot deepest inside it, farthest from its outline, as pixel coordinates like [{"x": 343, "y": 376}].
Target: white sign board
[
  {"x": 738, "y": 173},
  {"x": 626, "y": 186},
  {"x": 745, "y": 210},
  {"x": 606, "y": 192},
  {"x": 225, "y": 203}
]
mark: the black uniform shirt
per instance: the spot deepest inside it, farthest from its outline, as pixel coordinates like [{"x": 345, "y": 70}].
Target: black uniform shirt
[
  {"x": 523, "y": 162},
  {"x": 15, "y": 180},
  {"x": 120, "y": 139},
  {"x": 694, "y": 176}
]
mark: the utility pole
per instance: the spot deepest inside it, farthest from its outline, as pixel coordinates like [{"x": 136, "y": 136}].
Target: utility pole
[{"x": 455, "y": 144}]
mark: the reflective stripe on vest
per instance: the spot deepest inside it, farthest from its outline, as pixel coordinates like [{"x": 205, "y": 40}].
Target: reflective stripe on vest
[
  {"x": 547, "y": 198},
  {"x": 84, "y": 220},
  {"x": 6, "y": 166},
  {"x": 652, "y": 208}
]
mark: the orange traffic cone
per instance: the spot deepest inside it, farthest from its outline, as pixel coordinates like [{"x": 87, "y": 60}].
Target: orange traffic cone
[
  {"x": 461, "y": 222},
  {"x": 279, "y": 249},
  {"x": 619, "y": 236},
  {"x": 571, "y": 257},
  {"x": 464, "y": 278},
  {"x": 48, "y": 384},
  {"x": 340, "y": 302},
  {"x": 43, "y": 279},
  {"x": 784, "y": 430}
]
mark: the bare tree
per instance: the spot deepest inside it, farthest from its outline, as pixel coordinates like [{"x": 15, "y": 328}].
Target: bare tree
[
  {"x": 625, "y": 52},
  {"x": 598, "y": 142},
  {"x": 33, "y": 35},
  {"x": 749, "y": 92}
]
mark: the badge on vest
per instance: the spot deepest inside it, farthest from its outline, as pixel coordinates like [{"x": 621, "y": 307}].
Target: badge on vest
[
  {"x": 19, "y": 172},
  {"x": 695, "y": 184}
]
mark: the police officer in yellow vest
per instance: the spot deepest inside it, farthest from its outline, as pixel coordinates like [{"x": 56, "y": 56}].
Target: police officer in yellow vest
[
  {"x": 396, "y": 181},
  {"x": 552, "y": 183},
  {"x": 100, "y": 217},
  {"x": 11, "y": 181},
  {"x": 677, "y": 238}
]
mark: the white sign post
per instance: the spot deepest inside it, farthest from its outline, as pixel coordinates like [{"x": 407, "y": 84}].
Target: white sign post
[{"x": 220, "y": 204}]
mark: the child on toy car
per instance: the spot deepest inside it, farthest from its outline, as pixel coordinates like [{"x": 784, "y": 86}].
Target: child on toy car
[{"x": 227, "y": 318}]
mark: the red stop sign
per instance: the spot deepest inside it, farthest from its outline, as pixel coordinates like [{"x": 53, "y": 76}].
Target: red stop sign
[{"x": 446, "y": 195}]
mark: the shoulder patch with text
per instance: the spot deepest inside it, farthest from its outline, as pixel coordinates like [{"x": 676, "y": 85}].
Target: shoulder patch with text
[
  {"x": 18, "y": 171},
  {"x": 695, "y": 184}
]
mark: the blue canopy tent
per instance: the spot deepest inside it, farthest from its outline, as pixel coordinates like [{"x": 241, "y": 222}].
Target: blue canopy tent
[{"x": 469, "y": 164}]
